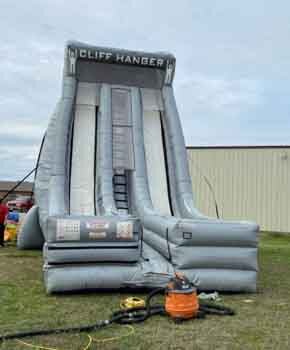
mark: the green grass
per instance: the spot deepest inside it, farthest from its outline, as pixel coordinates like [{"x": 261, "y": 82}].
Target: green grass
[{"x": 263, "y": 323}]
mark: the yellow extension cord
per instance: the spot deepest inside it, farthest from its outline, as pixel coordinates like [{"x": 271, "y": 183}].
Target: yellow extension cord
[
  {"x": 105, "y": 340},
  {"x": 130, "y": 302},
  {"x": 34, "y": 346},
  {"x": 46, "y": 348},
  {"x": 91, "y": 340},
  {"x": 127, "y": 303}
]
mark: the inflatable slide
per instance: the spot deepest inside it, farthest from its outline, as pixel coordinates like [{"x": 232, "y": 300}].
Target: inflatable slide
[{"x": 114, "y": 202}]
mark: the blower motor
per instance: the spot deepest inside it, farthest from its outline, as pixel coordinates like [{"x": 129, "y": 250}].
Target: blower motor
[{"x": 181, "y": 301}]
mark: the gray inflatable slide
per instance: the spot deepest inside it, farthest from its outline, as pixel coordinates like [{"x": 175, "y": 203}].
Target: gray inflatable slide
[{"x": 114, "y": 202}]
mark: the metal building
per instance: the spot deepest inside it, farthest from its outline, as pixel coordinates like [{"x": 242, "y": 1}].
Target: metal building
[{"x": 251, "y": 182}]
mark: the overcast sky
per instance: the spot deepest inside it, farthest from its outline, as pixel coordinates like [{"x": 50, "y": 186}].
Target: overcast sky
[{"x": 232, "y": 82}]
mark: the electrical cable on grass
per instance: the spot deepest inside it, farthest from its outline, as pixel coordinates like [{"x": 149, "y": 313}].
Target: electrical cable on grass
[
  {"x": 40, "y": 347},
  {"x": 105, "y": 340},
  {"x": 32, "y": 346},
  {"x": 89, "y": 343},
  {"x": 91, "y": 340},
  {"x": 123, "y": 317}
]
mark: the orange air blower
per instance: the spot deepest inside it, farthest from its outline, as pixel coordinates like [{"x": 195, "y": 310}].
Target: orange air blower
[{"x": 181, "y": 301}]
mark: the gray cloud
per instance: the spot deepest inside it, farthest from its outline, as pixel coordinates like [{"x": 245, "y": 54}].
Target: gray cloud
[{"x": 233, "y": 65}]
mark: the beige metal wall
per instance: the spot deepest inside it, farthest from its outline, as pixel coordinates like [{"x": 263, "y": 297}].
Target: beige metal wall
[{"x": 249, "y": 183}]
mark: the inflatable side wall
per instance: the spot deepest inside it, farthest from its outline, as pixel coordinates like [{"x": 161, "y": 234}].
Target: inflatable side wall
[{"x": 113, "y": 190}]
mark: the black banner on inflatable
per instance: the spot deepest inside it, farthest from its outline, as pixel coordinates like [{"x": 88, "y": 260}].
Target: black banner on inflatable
[
  {"x": 121, "y": 57},
  {"x": 117, "y": 57}
]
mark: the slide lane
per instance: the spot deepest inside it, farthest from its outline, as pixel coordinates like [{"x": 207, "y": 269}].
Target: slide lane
[{"x": 82, "y": 181}]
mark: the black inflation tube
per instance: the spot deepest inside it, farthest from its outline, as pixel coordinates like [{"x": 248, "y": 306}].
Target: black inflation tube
[
  {"x": 124, "y": 316},
  {"x": 88, "y": 328}
]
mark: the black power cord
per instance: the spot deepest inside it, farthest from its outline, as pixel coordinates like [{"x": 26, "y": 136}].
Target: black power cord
[
  {"x": 215, "y": 309},
  {"x": 126, "y": 316}
]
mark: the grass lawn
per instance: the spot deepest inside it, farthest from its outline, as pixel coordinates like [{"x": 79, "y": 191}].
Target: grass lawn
[{"x": 264, "y": 323}]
